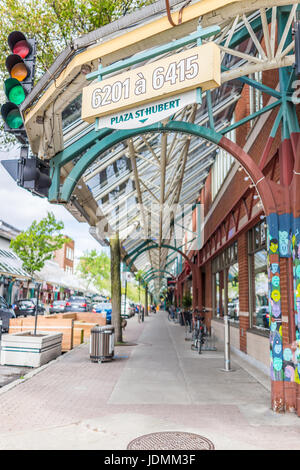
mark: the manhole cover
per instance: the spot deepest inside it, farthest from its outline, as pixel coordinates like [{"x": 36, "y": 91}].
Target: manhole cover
[{"x": 171, "y": 441}]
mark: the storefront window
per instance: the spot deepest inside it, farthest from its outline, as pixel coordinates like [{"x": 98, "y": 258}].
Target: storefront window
[
  {"x": 219, "y": 301},
  {"x": 233, "y": 292},
  {"x": 226, "y": 284},
  {"x": 258, "y": 275}
]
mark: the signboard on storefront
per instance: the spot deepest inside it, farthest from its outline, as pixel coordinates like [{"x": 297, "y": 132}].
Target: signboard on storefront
[{"x": 198, "y": 67}]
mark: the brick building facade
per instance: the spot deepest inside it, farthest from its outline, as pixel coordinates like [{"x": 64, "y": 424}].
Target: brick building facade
[
  {"x": 65, "y": 256},
  {"x": 233, "y": 261}
]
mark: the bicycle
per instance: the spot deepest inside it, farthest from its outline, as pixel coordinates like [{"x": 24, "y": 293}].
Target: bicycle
[
  {"x": 199, "y": 333},
  {"x": 187, "y": 321},
  {"x": 173, "y": 315}
]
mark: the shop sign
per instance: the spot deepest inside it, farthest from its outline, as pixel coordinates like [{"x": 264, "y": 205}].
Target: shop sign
[
  {"x": 150, "y": 113},
  {"x": 198, "y": 67}
]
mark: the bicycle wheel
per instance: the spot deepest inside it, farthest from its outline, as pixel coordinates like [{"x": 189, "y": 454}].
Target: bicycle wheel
[
  {"x": 195, "y": 339},
  {"x": 194, "y": 335},
  {"x": 199, "y": 345}
]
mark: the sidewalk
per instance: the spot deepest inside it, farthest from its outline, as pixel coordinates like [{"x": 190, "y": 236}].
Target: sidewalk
[{"x": 156, "y": 384}]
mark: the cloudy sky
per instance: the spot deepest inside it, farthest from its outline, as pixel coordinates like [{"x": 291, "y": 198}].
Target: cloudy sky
[{"x": 19, "y": 208}]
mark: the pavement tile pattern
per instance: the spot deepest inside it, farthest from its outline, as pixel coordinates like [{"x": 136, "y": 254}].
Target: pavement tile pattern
[{"x": 156, "y": 385}]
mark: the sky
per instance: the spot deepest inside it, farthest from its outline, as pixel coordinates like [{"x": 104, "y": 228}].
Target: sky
[{"x": 19, "y": 208}]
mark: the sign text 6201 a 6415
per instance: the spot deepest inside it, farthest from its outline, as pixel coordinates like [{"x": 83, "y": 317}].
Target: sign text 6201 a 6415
[{"x": 193, "y": 68}]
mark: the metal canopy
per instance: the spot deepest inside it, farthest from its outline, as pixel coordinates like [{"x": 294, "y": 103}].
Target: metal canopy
[{"x": 161, "y": 169}]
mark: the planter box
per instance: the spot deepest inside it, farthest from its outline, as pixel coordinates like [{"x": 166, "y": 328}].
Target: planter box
[
  {"x": 24, "y": 349},
  {"x": 46, "y": 325}
]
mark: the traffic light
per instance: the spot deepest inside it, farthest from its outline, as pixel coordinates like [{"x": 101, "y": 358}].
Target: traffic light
[
  {"x": 20, "y": 66},
  {"x": 30, "y": 173}
]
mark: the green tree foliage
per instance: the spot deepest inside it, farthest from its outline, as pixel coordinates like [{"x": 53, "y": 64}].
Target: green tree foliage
[
  {"x": 187, "y": 301},
  {"x": 139, "y": 276},
  {"x": 38, "y": 243},
  {"x": 55, "y": 23},
  {"x": 94, "y": 267},
  {"x": 133, "y": 292}
]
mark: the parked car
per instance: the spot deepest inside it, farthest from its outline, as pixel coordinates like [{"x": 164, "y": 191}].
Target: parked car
[
  {"x": 262, "y": 316},
  {"x": 78, "y": 304},
  {"x": 25, "y": 307},
  {"x": 57, "y": 306},
  {"x": 128, "y": 310},
  {"x": 42, "y": 308},
  {"x": 5, "y": 314},
  {"x": 104, "y": 307}
]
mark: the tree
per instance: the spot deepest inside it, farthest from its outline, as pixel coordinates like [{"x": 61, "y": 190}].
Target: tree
[
  {"x": 132, "y": 291},
  {"x": 38, "y": 243},
  {"x": 115, "y": 260},
  {"x": 95, "y": 267},
  {"x": 140, "y": 279},
  {"x": 55, "y": 23}
]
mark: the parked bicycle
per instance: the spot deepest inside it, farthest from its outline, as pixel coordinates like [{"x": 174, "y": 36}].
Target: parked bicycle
[
  {"x": 173, "y": 314},
  {"x": 187, "y": 318},
  {"x": 199, "y": 333}
]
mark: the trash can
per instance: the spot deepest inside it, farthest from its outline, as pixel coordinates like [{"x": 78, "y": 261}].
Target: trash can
[{"x": 102, "y": 342}]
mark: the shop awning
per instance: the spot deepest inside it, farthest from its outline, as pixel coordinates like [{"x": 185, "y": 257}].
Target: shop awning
[{"x": 11, "y": 265}]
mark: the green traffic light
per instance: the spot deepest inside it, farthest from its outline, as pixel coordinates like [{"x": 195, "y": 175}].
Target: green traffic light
[
  {"x": 14, "y": 91},
  {"x": 14, "y": 119},
  {"x": 16, "y": 95}
]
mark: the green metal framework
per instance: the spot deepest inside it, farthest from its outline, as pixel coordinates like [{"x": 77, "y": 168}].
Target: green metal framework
[{"x": 95, "y": 144}]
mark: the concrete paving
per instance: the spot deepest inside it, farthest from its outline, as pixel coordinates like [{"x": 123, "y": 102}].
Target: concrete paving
[{"x": 155, "y": 384}]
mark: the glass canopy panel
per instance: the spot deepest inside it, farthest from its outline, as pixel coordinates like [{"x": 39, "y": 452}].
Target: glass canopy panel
[{"x": 112, "y": 180}]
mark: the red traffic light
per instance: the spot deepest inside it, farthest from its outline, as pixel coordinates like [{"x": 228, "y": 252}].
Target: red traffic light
[
  {"x": 18, "y": 44},
  {"x": 20, "y": 66}
]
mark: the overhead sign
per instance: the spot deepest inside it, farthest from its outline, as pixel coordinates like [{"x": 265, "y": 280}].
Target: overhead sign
[
  {"x": 187, "y": 70},
  {"x": 147, "y": 114}
]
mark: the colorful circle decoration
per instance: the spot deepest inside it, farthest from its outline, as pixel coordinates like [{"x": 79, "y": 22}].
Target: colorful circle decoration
[
  {"x": 274, "y": 245},
  {"x": 287, "y": 354},
  {"x": 277, "y": 364},
  {"x": 275, "y": 281},
  {"x": 275, "y": 295},
  {"x": 277, "y": 348},
  {"x": 274, "y": 268},
  {"x": 276, "y": 309},
  {"x": 289, "y": 373}
]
